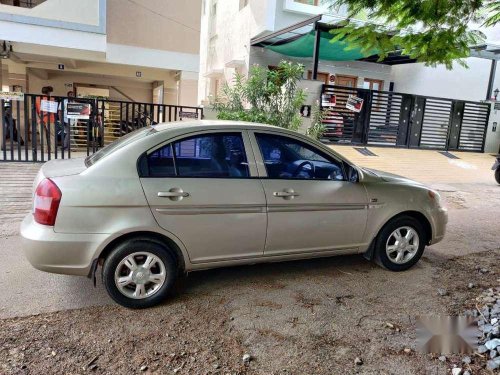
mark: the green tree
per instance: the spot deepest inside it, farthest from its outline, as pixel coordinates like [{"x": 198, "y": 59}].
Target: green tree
[
  {"x": 267, "y": 96},
  {"x": 431, "y": 31},
  {"x": 493, "y": 16}
]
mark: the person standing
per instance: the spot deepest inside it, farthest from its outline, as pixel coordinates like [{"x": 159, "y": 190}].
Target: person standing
[
  {"x": 45, "y": 118},
  {"x": 66, "y": 121}
]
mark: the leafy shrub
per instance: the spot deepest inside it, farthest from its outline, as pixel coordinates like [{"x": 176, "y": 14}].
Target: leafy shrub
[
  {"x": 317, "y": 127},
  {"x": 267, "y": 96}
]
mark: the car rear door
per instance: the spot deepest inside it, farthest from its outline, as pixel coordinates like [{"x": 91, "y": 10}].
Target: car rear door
[
  {"x": 307, "y": 212},
  {"x": 202, "y": 188}
]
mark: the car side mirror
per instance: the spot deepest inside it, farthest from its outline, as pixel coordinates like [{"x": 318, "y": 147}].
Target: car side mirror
[{"x": 352, "y": 173}]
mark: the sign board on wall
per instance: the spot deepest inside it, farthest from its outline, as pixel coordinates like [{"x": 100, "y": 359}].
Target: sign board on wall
[
  {"x": 50, "y": 106},
  {"x": 10, "y": 95},
  {"x": 79, "y": 111},
  {"x": 354, "y": 103},
  {"x": 328, "y": 100}
]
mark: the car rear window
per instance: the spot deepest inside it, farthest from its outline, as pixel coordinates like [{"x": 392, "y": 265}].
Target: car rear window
[{"x": 119, "y": 143}]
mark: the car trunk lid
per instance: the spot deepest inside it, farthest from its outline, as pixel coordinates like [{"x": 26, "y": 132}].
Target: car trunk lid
[
  {"x": 60, "y": 168},
  {"x": 64, "y": 167}
]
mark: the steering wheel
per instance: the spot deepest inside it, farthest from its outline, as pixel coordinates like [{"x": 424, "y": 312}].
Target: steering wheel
[{"x": 301, "y": 166}]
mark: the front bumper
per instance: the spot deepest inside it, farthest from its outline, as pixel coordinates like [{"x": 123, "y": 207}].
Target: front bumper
[
  {"x": 439, "y": 221},
  {"x": 64, "y": 253}
]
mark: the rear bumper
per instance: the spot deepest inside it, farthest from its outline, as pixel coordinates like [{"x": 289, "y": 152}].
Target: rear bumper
[
  {"x": 440, "y": 219},
  {"x": 64, "y": 253}
]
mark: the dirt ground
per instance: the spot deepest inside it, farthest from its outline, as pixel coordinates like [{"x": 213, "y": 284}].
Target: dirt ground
[{"x": 303, "y": 317}]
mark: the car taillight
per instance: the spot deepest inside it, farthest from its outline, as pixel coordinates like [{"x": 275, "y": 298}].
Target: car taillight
[{"x": 46, "y": 202}]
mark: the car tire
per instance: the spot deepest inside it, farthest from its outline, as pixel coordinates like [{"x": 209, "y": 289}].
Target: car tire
[
  {"x": 387, "y": 248},
  {"x": 497, "y": 175},
  {"x": 157, "y": 281}
]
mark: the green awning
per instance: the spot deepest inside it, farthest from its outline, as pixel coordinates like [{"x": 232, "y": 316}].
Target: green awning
[{"x": 304, "y": 47}]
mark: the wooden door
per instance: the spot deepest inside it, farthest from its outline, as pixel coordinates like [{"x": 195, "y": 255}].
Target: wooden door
[
  {"x": 322, "y": 76},
  {"x": 349, "y": 81}
]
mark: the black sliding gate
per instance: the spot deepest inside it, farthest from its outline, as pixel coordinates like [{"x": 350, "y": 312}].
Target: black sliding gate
[
  {"x": 386, "y": 118},
  {"x": 36, "y": 128}
]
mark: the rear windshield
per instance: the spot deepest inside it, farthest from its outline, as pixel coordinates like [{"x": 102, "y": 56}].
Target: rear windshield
[{"x": 119, "y": 143}]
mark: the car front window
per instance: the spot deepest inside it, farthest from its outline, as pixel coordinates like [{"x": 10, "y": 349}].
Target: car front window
[{"x": 288, "y": 158}]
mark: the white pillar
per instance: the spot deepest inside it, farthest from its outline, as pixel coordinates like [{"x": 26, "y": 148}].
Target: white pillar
[{"x": 187, "y": 93}]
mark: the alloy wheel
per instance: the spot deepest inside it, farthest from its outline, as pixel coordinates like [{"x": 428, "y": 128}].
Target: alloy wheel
[
  {"x": 140, "y": 275},
  {"x": 402, "y": 245}
]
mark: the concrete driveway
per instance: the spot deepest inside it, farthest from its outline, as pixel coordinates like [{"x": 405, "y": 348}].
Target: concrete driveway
[
  {"x": 427, "y": 166},
  {"x": 26, "y": 291},
  {"x": 468, "y": 186},
  {"x": 306, "y": 317}
]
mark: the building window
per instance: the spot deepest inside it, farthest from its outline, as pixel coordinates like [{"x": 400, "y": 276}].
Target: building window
[
  {"x": 373, "y": 84},
  {"x": 308, "y": 2},
  {"x": 213, "y": 19},
  {"x": 243, "y": 3},
  {"x": 22, "y": 3}
]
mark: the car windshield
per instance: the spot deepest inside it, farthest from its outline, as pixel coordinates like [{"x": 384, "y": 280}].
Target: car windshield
[{"x": 119, "y": 143}]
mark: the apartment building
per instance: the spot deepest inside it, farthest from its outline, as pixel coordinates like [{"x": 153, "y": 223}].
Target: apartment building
[
  {"x": 132, "y": 50},
  {"x": 228, "y": 26}
]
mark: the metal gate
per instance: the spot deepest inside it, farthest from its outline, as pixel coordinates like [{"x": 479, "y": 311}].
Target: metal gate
[
  {"x": 387, "y": 118},
  {"x": 36, "y": 128}
]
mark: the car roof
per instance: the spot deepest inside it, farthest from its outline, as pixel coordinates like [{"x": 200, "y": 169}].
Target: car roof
[
  {"x": 166, "y": 132},
  {"x": 210, "y": 124}
]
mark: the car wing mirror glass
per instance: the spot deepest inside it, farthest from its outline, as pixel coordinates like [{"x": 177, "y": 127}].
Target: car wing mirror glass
[{"x": 352, "y": 173}]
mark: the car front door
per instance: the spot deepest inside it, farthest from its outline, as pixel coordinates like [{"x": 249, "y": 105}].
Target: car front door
[
  {"x": 311, "y": 207},
  {"x": 200, "y": 188}
]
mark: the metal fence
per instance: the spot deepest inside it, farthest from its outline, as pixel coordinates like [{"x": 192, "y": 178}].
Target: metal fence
[
  {"x": 36, "y": 128},
  {"x": 386, "y": 118}
]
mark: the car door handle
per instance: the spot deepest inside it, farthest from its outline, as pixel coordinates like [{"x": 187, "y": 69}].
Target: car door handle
[
  {"x": 175, "y": 194},
  {"x": 169, "y": 194},
  {"x": 286, "y": 194}
]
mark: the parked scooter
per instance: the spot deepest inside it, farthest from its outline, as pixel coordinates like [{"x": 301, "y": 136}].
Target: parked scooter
[
  {"x": 144, "y": 119},
  {"x": 10, "y": 127},
  {"x": 496, "y": 168}
]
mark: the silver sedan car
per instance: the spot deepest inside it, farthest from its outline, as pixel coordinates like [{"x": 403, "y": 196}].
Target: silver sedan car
[{"x": 194, "y": 195}]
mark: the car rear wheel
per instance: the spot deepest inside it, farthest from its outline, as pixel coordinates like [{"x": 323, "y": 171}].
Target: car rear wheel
[
  {"x": 497, "y": 175},
  {"x": 139, "y": 273},
  {"x": 400, "y": 244}
]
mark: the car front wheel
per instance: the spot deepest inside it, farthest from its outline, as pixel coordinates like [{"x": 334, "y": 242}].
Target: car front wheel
[
  {"x": 139, "y": 273},
  {"x": 400, "y": 243}
]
